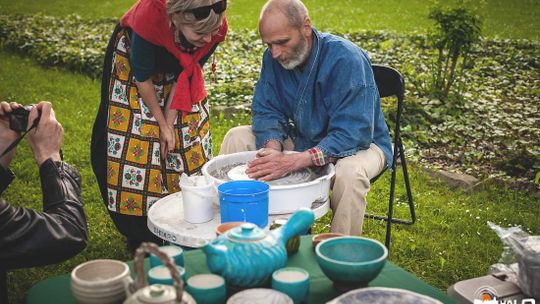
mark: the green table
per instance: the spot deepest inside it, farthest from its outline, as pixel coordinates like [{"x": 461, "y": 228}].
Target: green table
[{"x": 57, "y": 289}]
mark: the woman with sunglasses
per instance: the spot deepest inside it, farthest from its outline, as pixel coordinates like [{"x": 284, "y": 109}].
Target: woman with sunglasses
[{"x": 153, "y": 121}]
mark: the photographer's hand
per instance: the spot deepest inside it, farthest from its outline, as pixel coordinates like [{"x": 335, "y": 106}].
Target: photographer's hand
[
  {"x": 7, "y": 136},
  {"x": 46, "y": 139}
]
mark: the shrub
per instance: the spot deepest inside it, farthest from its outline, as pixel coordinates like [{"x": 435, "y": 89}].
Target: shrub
[
  {"x": 494, "y": 133},
  {"x": 456, "y": 31}
]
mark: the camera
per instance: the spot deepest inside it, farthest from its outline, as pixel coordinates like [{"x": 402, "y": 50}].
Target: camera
[{"x": 18, "y": 118}]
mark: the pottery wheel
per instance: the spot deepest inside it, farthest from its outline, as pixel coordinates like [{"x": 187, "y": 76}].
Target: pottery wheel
[{"x": 296, "y": 177}]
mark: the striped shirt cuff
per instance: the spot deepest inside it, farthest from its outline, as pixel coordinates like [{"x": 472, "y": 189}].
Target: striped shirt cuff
[{"x": 318, "y": 157}]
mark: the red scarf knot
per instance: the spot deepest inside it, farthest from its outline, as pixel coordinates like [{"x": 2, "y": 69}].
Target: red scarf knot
[{"x": 148, "y": 18}]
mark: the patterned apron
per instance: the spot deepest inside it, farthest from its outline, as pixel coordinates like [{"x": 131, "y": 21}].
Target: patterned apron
[{"x": 136, "y": 176}]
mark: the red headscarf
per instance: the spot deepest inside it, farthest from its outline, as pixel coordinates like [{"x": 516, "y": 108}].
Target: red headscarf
[{"x": 148, "y": 18}]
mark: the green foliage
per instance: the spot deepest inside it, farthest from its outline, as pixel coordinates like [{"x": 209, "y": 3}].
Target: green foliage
[
  {"x": 493, "y": 132},
  {"x": 72, "y": 42},
  {"x": 450, "y": 241},
  {"x": 456, "y": 31},
  {"x": 516, "y": 19}
]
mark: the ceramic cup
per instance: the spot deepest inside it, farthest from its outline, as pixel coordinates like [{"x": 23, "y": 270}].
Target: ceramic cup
[
  {"x": 292, "y": 281},
  {"x": 162, "y": 275},
  {"x": 175, "y": 252},
  {"x": 207, "y": 288}
]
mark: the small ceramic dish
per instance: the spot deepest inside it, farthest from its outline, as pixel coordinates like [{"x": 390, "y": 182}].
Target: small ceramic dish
[
  {"x": 207, "y": 288},
  {"x": 162, "y": 275},
  {"x": 226, "y": 227},
  {"x": 174, "y": 252},
  {"x": 292, "y": 281},
  {"x": 317, "y": 238}
]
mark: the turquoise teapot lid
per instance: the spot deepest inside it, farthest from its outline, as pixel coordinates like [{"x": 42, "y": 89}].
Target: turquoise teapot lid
[{"x": 247, "y": 232}]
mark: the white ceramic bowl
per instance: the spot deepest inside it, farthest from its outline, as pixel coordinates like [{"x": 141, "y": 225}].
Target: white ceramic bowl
[
  {"x": 382, "y": 295},
  {"x": 260, "y": 296},
  {"x": 282, "y": 199},
  {"x": 100, "y": 281}
]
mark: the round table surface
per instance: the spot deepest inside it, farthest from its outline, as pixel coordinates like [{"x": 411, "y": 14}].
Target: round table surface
[{"x": 166, "y": 220}]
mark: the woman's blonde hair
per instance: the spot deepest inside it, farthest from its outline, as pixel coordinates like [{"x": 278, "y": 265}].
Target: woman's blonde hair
[{"x": 179, "y": 10}]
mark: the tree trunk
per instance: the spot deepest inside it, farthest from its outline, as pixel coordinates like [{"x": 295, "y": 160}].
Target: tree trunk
[{"x": 455, "y": 57}]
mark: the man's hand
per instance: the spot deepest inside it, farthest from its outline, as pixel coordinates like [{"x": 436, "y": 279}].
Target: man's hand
[
  {"x": 273, "y": 144},
  {"x": 7, "y": 136},
  {"x": 271, "y": 164},
  {"x": 46, "y": 139}
]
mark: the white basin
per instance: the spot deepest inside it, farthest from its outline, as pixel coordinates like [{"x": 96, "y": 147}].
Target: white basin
[{"x": 283, "y": 199}]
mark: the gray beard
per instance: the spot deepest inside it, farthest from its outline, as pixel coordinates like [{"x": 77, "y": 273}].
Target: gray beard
[{"x": 298, "y": 57}]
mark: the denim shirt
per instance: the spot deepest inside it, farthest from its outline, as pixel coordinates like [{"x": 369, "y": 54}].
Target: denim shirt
[{"x": 332, "y": 104}]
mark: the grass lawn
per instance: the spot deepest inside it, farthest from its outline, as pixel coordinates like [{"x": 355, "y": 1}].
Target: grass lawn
[
  {"x": 450, "y": 241},
  {"x": 505, "y": 19}
]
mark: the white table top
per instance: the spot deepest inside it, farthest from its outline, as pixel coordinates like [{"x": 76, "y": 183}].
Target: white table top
[{"x": 166, "y": 220}]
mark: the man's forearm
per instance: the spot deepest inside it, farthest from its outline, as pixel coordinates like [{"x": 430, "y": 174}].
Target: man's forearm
[{"x": 302, "y": 160}]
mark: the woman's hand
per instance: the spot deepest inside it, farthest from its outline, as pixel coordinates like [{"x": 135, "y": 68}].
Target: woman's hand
[
  {"x": 170, "y": 113},
  {"x": 166, "y": 140}
]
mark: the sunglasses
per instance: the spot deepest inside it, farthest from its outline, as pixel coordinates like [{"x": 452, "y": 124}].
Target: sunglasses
[{"x": 203, "y": 11}]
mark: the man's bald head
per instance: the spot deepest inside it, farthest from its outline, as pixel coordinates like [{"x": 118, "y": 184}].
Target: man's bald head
[{"x": 294, "y": 10}]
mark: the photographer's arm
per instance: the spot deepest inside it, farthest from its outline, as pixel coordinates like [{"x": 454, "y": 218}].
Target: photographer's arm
[
  {"x": 46, "y": 139},
  {"x": 30, "y": 238}
]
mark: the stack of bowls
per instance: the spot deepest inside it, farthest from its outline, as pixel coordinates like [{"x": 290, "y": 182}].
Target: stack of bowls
[{"x": 99, "y": 281}]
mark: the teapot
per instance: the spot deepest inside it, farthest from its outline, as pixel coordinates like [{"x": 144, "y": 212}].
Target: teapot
[
  {"x": 138, "y": 291},
  {"x": 247, "y": 255}
]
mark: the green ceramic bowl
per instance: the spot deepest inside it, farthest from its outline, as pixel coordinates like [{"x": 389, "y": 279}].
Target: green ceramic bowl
[{"x": 351, "y": 261}]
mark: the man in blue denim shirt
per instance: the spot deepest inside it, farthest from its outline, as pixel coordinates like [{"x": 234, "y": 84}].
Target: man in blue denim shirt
[{"x": 317, "y": 90}]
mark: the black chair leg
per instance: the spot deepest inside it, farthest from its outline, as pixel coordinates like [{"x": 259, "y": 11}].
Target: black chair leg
[
  {"x": 407, "y": 183},
  {"x": 392, "y": 189},
  {"x": 389, "y": 219}
]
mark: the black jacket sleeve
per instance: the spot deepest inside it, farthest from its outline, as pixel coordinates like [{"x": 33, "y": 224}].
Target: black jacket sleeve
[{"x": 30, "y": 238}]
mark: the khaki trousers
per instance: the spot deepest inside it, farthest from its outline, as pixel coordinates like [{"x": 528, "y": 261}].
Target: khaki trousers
[{"x": 350, "y": 185}]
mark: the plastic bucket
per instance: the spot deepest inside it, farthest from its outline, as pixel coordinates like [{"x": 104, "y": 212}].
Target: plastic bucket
[
  {"x": 197, "y": 202},
  {"x": 244, "y": 201}
]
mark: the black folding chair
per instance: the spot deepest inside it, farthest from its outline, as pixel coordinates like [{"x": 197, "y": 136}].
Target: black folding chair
[{"x": 390, "y": 83}]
